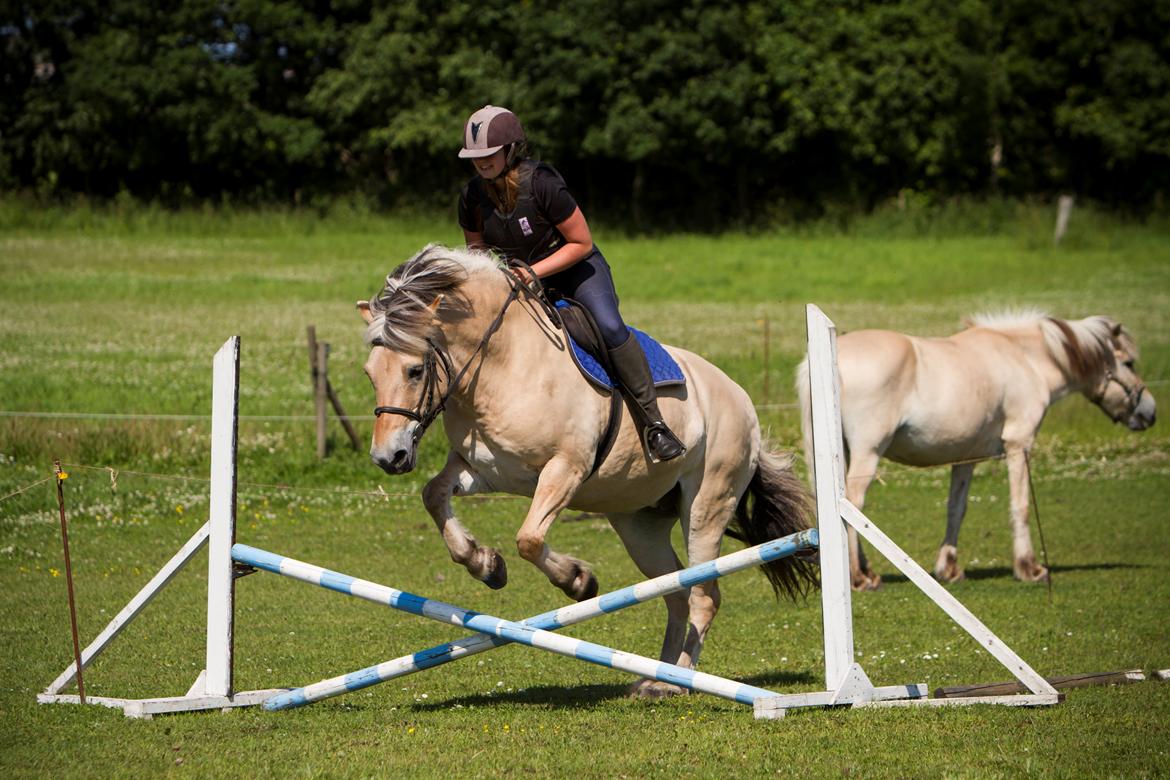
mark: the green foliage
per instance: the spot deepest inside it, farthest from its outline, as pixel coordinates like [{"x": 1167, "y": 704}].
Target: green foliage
[{"x": 682, "y": 114}]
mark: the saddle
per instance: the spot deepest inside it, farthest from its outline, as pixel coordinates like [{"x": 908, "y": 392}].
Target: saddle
[{"x": 591, "y": 357}]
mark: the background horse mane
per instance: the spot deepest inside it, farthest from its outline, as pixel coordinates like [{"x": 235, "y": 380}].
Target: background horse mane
[
  {"x": 402, "y": 317},
  {"x": 1082, "y": 348}
]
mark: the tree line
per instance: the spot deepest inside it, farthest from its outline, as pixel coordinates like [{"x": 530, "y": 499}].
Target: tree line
[{"x": 681, "y": 113}]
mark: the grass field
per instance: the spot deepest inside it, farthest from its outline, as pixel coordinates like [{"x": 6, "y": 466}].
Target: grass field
[{"x": 119, "y": 313}]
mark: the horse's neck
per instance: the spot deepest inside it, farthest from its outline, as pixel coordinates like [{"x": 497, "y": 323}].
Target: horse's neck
[
  {"x": 1059, "y": 382},
  {"x": 521, "y": 349}
]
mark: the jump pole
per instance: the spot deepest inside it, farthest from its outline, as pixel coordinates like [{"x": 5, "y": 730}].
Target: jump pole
[
  {"x": 548, "y": 621},
  {"x": 506, "y": 629}
]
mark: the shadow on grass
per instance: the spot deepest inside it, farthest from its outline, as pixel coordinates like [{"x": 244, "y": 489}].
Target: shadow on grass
[
  {"x": 583, "y": 697},
  {"x": 1005, "y": 572}
]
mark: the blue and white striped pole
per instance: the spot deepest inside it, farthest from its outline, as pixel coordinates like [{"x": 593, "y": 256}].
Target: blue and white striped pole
[{"x": 532, "y": 631}]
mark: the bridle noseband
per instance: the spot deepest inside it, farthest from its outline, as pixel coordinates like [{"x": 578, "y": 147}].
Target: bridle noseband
[
  {"x": 1133, "y": 396},
  {"x": 436, "y": 359}
]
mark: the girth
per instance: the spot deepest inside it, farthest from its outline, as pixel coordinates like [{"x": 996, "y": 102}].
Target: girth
[{"x": 576, "y": 321}]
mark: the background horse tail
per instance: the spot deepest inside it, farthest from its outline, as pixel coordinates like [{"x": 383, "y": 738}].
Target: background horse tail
[{"x": 777, "y": 504}]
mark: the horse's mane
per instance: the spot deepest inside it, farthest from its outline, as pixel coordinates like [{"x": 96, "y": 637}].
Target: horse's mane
[
  {"x": 402, "y": 317},
  {"x": 1082, "y": 348}
]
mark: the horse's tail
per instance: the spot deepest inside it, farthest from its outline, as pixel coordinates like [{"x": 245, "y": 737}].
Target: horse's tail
[{"x": 777, "y": 504}]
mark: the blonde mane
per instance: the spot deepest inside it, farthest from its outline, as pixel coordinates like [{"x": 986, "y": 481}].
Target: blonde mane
[
  {"x": 1082, "y": 348},
  {"x": 402, "y": 317}
]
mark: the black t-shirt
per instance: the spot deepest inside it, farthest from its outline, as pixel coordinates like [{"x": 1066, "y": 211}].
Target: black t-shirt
[{"x": 549, "y": 192}]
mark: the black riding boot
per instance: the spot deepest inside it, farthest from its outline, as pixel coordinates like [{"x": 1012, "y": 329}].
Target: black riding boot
[{"x": 633, "y": 372}]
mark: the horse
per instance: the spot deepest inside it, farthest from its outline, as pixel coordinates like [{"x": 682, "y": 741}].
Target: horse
[
  {"x": 978, "y": 394},
  {"x": 521, "y": 419}
]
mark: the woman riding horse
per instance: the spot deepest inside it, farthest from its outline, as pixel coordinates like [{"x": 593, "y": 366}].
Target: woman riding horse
[{"x": 522, "y": 209}]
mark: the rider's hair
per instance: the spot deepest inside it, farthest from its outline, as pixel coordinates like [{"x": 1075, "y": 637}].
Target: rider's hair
[{"x": 505, "y": 188}]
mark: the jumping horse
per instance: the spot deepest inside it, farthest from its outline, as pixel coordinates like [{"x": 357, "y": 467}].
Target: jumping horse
[
  {"x": 454, "y": 332},
  {"x": 978, "y": 394}
]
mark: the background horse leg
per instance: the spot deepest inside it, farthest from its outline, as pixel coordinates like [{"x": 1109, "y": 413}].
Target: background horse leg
[
  {"x": 484, "y": 563},
  {"x": 861, "y": 471},
  {"x": 646, "y": 537},
  {"x": 558, "y": 481},
  {"x": 946, "y": 567},
  {"x": 1023, "y": 556}
]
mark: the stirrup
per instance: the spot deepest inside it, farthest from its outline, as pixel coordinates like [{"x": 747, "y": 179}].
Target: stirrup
[{"x": 669, "y": 447}]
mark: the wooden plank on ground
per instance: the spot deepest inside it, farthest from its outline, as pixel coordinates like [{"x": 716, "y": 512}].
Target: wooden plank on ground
[{"x": 1068, "y": 681}]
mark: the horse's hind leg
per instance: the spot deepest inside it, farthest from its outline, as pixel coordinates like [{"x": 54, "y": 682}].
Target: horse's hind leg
[
  {"x": 457, "y": 478},
  {"x": 947, "y": 568},
  {"x": 647, "y": 540},
  {"x": 704, "y": 510}
]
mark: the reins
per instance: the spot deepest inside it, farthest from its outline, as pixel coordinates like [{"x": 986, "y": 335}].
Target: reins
[{"x": 428, "y": 408}]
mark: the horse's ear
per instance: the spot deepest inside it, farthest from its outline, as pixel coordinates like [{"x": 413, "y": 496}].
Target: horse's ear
[
  {"x": 434, "y": 307},
  {"x": 1117, "y": 331},
  {"x": 364, "y": 308}
]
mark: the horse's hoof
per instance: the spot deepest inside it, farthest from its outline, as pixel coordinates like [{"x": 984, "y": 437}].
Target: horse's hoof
[
  {"x": 496, "y": 576},
  {"x": 654, "y": 689},
  {"x": 1028, "y": 570},
  {"x": 950, "y": 575},
  {"x": 584, "y": 585},
  {"x": 867, "y": 581},
  {"x": 1033, "y": 574}
]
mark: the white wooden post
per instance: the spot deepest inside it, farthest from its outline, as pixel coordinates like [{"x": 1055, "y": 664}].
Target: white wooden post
[
  {"x": 220, "y": 583},
  {"x": 829, "y": 475}
]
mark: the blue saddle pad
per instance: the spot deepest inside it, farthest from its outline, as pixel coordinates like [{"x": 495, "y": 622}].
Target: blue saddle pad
[{"x": 663, "y": 368}]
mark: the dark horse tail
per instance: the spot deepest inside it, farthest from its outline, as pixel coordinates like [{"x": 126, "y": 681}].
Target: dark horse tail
[{"x": 777, "y": 504}]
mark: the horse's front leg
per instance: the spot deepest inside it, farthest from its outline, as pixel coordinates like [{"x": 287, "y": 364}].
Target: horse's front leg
[
  {"x": 458, "y": 478},
  {"x": 558, "y": 481},
  {"x": 862, "y": 469},
  {"x": 946, "y": 567},
  {"x": 1023, "y": 556}
]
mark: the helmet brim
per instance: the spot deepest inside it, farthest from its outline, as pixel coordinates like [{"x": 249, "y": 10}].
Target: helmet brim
[{"x": 471, "y": 154}]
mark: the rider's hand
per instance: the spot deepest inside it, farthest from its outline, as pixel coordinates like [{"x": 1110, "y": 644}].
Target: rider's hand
[{"x": 523, "y": 274}]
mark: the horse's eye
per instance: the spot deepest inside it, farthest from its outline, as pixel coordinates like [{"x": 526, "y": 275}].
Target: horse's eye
[
  {"x": 1129, "y": 364},
  {"x": 415, "y": 372}
]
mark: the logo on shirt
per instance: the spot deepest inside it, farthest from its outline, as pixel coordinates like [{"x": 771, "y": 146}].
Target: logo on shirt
[
  {"x": 475, "y": 131},
  {"x": 524, "y": 226}
]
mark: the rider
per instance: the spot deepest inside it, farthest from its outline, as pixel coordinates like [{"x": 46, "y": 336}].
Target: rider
[{"x": 522, "y": 209}]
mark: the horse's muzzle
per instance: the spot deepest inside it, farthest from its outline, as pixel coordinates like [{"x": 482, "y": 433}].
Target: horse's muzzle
[
  {"x": 1144, "y": 414},
  {"x": 398, "y": 461}
]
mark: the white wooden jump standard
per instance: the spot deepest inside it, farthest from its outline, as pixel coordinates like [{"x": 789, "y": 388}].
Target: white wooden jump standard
[{"x": 845, "y": 679}]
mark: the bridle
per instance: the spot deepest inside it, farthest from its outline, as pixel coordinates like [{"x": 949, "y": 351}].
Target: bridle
[
  {"x": 430, "y": 401},
  {"x": 1133, "y": 396}
]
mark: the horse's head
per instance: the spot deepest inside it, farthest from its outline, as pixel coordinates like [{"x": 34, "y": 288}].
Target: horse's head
[
  {"x": 1119, "y": 391},
  {"x": 410, "y": 325},
  {"x": 405, "y": 381}
]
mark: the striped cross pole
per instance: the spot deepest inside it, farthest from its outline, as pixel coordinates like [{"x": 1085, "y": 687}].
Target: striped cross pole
[{"x": 533, "y": 631}]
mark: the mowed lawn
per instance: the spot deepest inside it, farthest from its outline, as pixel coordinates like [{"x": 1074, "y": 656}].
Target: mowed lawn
[{"x": 116, "y": 316}]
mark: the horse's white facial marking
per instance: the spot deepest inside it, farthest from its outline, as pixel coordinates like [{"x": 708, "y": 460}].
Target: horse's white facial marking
[{"x": 397, "y": 381}]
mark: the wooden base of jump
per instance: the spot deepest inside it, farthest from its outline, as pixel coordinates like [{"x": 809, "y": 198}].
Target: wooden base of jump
[{"x": 846, "y": 681}]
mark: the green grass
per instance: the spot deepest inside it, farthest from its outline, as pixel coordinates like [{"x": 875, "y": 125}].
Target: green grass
[{"x": 120, "y": 310}]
